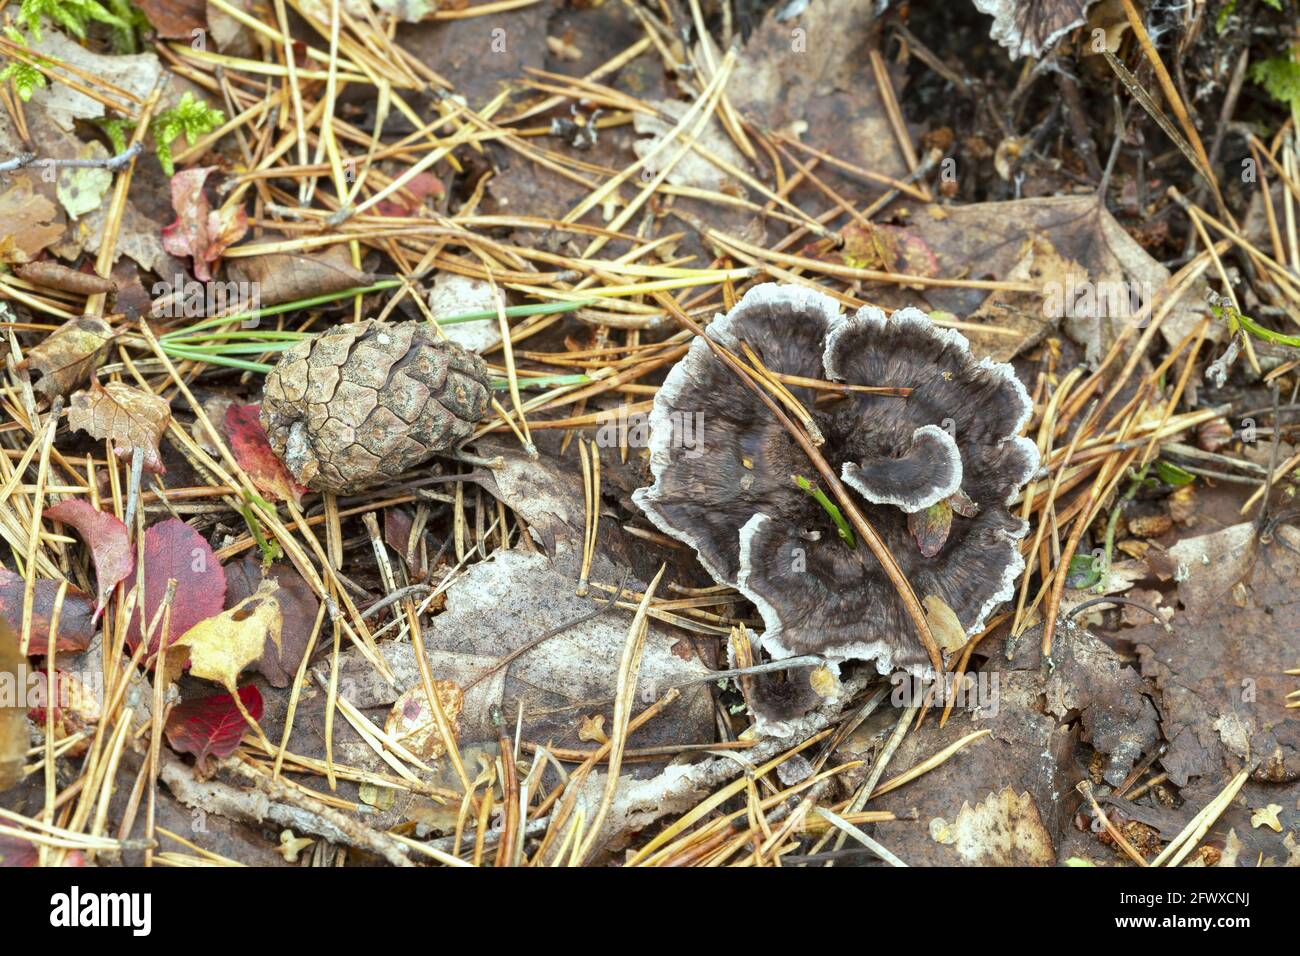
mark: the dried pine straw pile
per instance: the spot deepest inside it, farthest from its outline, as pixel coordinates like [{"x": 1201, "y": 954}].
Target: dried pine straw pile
[{"x": 361, "y": 163}]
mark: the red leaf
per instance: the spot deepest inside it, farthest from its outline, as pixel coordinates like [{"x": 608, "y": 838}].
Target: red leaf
[
  {"x": 110, "y": 545},
  {"x": 253, "y": 452},
  {"x": 172, "y": 549},
  {"x": 17, "y": 852},
  {"x": 76, "y": 621},
  {"x": 211, "y": 726},
  {"x": 198, "y": 232},
  {"x": 175, "y": 19},
  {"x": 421, "y": 186}
]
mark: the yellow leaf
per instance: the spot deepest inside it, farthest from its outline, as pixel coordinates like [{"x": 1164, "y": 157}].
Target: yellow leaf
[
  {"x": 411, "y": 723},
  {"x": 944, "y": 625},
  {"x": 13, "y": 720},
  {"x": 222, "y": 646}
]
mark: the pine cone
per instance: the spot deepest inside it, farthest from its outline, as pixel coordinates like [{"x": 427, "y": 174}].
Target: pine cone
[{"x": 359, "y": 404}]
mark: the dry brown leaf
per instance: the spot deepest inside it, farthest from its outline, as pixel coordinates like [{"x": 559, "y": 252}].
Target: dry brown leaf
[
  {"x": 69, "y": 355},
  {"x": 288, "y": 276},
  {"x": 944, "y": 624},
  {"x": 129, "y": 417},
  {"x": 13, "y": 719},
  {"x": 31, "y": 222},
  {"x": 220, "y": 647}
]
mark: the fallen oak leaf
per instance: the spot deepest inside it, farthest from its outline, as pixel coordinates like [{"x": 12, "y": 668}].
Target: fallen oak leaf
[
  {"x": 69, "y": 354},
  {"x": 172, "y": 549},
  {"x": 212, "y": 726},
  {"x": 251, "y": 449},
  {"x": 218, "y": 648},
  {"x": 298, "y": 609},
  {"x": 109, "y": 541},
  {"x": 76, "y": 620},
  {"x": 132, "y": 419}
]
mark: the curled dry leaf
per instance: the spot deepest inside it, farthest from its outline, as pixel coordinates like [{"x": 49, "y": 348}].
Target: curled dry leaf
[
  {"x": 218, "y": 648},
  {"x": 56, "y": 275},
  {"x": 172, "y": 549},
  {"x": 110, "y": 544},
  {"x": 13, "y": 725},
  {"x": 289, "y": 276},
  {"x": 67, "y": 357},
  {"x": 298, "y": 608},
  {"x": 412, "y": 724},
  {"x": 132, "y": 419},
  {"x": 76, "y": 620},
  {"x": 212, "y": 726},
  {"x": 199, "y": 232},
  {"x": 248, "y": 443}
]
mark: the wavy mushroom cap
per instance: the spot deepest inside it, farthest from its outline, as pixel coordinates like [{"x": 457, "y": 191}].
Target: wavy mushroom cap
[{"x": 724, "y": 466}]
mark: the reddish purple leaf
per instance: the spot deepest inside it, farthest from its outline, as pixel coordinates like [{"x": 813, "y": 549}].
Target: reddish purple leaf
[
  {"x": 172, "y": 549},
  {"x": 198, "y": 231},
  {"x": 76, "y": 620},
  {"x": 17, "y": 852},
  {"x": 212, "y": 726},
  {"x": 110, "y": 545},
  {"x": 253, "y": 452}
]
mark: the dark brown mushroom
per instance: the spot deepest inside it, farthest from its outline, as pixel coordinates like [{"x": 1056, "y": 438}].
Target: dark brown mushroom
[{"x": 724, "y": 473}]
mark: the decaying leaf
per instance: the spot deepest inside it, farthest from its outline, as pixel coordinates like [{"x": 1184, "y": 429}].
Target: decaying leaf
[
  {"x": 248, "y": 443},
  {"x": 76, "y": 707},
  {"x": 31, "y": 222},
  {"x": 212, "y": 726},
  {"x": 172, "y": 549},
  {"x": 219, "y": 648},
  {"x": 1002, "y": 830},
  {"x": 199, "y": 232},
  {"x": 67, "y": 357},
  {"x": 298, "y": 608},
  {"x": 930, "y": 527},
  {"x": 81, "y": 190},
  {"x": 13, "y": 718},
  {"x": 109, "y": 541},
  {"x": 76, "y": 620},
  {"x": 132, "y": 419},
  {"x": 412, "y": 724},
  {"x": 506, "y": 602},
  {"x": 1222, "y": 691}
]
